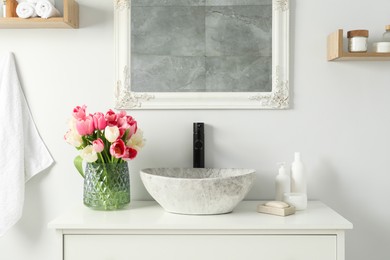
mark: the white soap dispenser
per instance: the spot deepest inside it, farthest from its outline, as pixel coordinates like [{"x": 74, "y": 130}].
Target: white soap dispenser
[
  {"x": 282, "y": 182},
  {"x": 298, "y": 176}
]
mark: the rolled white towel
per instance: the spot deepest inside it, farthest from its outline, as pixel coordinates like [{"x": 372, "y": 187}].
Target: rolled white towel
[
  {"x": 46, "y": 9},
  {"x": 34, "y": 2},
  {"x": 26, "y": 10}
]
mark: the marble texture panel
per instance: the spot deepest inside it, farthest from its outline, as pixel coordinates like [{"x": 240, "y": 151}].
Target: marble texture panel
[
  {"x": 182, "y": 46},
  {"x": 198, "y": 2},
  {"x": 198, "y": 191},
  {"x": 168, "y": 2},
  {"x": 152, "y": 73},
  {"x": 239, "y": 30},
  {"x": 237, "y": 2},
  {"x": 238, "y": 74},
  {"x": 176, "y": 31}
]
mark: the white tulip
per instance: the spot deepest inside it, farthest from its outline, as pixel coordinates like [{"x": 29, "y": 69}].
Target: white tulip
[
  {"x": 136, "y": 141},
  {"x": 89, "y": 154},
  {"x": 111, "y": 133},
  {"x": 73, "y": 138},
  {"x": 72, "y": 124}
]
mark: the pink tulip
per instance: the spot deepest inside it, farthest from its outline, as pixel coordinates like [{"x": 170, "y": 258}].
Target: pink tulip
[
  {"x": 122, "y": 132},
  {"x": 121, "y": 122},
  {"x": 99, "y": 121},
  {"x": 132, "y": 125},
  {"x": 118, "y": 148},
  {"x": 128, "y": 123},
  {"x": 79, "y": 112},
  {"x": 121, "y": 119},
  {"x": 122, "y": 113},
  {"x": 130, "y": 154},
  {"x": 111, "y": 118},
  {"x": 98, "y": 145},
  {"x": 85, "y": 127}
]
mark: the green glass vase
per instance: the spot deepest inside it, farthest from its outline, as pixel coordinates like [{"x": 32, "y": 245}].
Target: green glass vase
[{"x": 106, "y": 186}]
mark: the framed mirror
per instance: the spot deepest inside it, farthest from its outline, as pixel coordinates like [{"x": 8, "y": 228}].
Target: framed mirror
[{"x": 201, "y": 54}]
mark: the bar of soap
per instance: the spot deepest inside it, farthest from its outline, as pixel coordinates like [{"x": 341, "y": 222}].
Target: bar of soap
[
  {"x": 263, "y": 208},
  {"x": 277, "y": 204}
]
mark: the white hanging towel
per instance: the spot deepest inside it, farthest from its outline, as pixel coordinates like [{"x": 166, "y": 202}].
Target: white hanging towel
[{"x": 23, "y": 153}]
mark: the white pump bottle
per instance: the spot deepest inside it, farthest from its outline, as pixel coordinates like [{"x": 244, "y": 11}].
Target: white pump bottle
[
  {"x": 298, "y": 176},
  {"x": 282, "y": 183}
]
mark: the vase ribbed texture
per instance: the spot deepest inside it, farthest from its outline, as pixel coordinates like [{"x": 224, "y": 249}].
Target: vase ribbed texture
[{"x": 106, "y": 186}]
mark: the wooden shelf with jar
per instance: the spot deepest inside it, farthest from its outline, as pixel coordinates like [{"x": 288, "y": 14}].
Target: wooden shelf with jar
[
  {"x": 336, "y": 50},
  {"x": 69, "y": 20}
]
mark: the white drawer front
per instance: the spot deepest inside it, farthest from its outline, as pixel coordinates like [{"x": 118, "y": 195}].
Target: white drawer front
[{"x": 200, "y": 247}]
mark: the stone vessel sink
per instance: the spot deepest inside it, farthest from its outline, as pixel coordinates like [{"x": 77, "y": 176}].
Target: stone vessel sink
[{"x": 198, "y": 191}]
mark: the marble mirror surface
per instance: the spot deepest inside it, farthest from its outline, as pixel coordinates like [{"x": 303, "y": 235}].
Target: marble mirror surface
[{"x": 201, "y": 54}]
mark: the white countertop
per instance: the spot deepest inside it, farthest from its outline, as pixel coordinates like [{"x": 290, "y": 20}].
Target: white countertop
[{"x": 149, "y": 216}]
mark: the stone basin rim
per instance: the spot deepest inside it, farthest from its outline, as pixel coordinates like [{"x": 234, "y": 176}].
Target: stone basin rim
[{"x": 247, "y": 171}]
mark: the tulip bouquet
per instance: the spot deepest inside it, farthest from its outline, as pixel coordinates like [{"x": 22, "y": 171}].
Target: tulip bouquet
[{"x": 103, "y": 138}]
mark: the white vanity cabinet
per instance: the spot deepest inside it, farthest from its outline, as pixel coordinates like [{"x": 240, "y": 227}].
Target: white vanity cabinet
[{"x": 144, "y": 231}]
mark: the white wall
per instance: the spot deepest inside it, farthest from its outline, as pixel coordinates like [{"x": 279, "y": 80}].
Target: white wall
[{"x": 339, "y": 121}]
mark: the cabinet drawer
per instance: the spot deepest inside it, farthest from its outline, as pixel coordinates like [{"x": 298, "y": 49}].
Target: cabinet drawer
[{"x": 200, "y": 247}]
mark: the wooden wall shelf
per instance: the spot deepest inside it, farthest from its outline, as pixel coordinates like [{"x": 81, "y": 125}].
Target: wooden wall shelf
[
  {"x": 69, "y": 20},
  {"x": 336, "y": 50}
]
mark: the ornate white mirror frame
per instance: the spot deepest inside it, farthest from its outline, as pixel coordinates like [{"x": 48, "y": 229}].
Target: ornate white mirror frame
[{"x": 278, "y": 98}]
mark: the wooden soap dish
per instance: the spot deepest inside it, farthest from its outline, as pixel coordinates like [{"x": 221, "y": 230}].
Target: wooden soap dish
[{"x": 262, "y": 208}]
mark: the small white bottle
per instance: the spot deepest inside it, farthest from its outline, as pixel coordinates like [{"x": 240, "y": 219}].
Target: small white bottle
[
  {"x": 386, "y": 35},
  {"x": 4, "y": 7},
  {"x": 282, "y": 183},
  {"x": 298, "y": 175}
]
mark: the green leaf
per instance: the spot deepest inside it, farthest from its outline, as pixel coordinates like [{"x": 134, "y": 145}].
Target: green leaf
[
  {"x": 126, "y": 135},
  {"x": 78, "y": 163}
]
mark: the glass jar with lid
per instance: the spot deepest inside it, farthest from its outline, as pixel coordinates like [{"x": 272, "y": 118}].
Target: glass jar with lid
[{"x": 357, "y": 40}]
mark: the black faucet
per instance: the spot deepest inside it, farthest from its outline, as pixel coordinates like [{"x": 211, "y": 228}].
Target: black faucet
[{"x": 198, "y": 145}]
